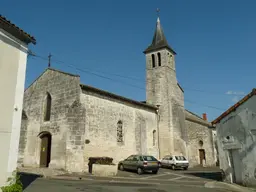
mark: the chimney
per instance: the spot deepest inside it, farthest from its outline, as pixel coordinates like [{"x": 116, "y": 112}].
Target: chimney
[{"x": 204, "y": 116}]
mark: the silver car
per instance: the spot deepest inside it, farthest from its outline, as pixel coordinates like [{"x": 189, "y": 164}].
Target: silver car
[
  {"x": 175, "y": 161},
  {"x": 140, "y": 163}
]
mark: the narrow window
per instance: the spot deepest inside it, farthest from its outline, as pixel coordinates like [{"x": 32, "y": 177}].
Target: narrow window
[
  {"x": 47, "y": 107},
  {"x": 154, "y": 137},
  {"x": 159, "y": 59},
  {"x": 169, "y": 58},
  {"x": 119, "y": 131},
  {"x": 153, "y": 60}
]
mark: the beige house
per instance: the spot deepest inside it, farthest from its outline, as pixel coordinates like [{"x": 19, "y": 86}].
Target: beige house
[
  {"x": 13, "y": 58},
  {"x": 65, "y": 122}
]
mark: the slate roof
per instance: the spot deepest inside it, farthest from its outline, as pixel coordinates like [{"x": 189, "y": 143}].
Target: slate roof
[
  {"x": 159, "y": 40},
  {"x": 16, "y": 31},
  {"x": 112, "y": 95},
  {"x": 233, "y": 108}
]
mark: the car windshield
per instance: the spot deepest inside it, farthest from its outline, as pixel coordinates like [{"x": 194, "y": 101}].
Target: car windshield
[
  {"x": 149, "y": 158},
  {"x": 180, "y": 158}
]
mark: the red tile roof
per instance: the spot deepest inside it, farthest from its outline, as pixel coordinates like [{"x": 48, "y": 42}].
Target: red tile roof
[
  {"x": 234, "y": 106},
  {"x": 16, "y": 31}
]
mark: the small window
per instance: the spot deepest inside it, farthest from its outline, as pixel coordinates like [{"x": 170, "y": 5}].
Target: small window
[
  {"x": 180, "y": 158},
  {"x": 154, "y": 138},
  {"x": 119, "y": 131},
  {"x": 153, "y": 61},
  {"x": 47, "y": 107},
  {"x": 149, "y": 158},
  {"x": 169, "y": 58},
  {"x": 130, "y": 158},
  {"x": 159, "y": 58}
]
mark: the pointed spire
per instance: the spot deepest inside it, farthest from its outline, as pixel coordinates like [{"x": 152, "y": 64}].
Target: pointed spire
[{"x": 159, "y": 40}]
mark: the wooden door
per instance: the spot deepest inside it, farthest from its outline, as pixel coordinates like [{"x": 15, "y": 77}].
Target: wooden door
[
  {"x": 201, "y": 156},
  {"x": 45, "y": 151}
]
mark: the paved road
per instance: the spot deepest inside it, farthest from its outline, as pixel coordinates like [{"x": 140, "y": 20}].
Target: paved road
[
  {"x": 193, "y": 174},
  {"x": 165, "y": 181},
  {"x": 42, "y": 185}
]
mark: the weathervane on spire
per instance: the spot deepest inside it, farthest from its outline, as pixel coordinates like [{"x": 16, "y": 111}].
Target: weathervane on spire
[{"x": 158, "y": 12}]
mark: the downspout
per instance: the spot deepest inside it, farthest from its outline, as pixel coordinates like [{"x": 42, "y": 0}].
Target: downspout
[{"x": 158, "y": 135}]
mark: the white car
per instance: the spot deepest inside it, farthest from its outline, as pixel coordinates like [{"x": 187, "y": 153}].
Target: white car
[{"x": 174, "y": 162}]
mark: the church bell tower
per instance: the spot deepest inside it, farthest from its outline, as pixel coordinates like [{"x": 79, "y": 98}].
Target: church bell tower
[{"x": 162, "y": 90}]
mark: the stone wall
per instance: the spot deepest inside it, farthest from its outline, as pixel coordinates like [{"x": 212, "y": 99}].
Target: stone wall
[
  {"x": 23, "y": 138},
  {"x": 162, "y": 89},
  {"x": 75, "y": 116},
  {"x": 102, "y": 116},
  {"x": 197, "y": 132},
  {"x": 64, "y": 90},
  {"x": 179, "y": 128}
]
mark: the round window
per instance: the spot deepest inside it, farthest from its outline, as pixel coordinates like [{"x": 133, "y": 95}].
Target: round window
[{"x": 201, "y": 143}]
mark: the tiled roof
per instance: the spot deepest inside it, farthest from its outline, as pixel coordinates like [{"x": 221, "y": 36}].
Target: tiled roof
[
  {"x": 16, "y": 31},
  {"x": 253, "y": 92}
]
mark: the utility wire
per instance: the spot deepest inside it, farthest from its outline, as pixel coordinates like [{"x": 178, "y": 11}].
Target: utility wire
[
  {"x": 89, "y": 70},
  {"x": 101, "y": 76}
]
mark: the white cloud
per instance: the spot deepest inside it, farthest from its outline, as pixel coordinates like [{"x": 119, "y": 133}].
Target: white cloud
[
  {"x": 235, "y": 93},
  {"x": 235, "y": 99}
]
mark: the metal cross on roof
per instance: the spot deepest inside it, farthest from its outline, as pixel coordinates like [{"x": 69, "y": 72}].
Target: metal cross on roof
[{"x": 49, "y": 60}]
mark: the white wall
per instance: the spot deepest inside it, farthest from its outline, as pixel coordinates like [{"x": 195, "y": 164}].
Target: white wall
[
  {"x": 13, "y": 58},
  {"x": 239, "y": 126}
]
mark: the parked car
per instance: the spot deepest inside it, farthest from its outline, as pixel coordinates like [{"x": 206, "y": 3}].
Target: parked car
[
  {"x": 174, "y": 162},
  {"x": 140, "y": 163}
]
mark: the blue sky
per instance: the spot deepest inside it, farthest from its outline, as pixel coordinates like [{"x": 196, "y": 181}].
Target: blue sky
[{"x": 214, "y": 40}]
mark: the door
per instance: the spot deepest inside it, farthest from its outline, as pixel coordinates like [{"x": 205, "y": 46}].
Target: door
[
  {"x": 134, "y": 163},
  {"x": 45, "y": 150},
  {"x": 231, "y": 164},
  {"x": 201, "y": 156},
  {"x": 170, "y": 161},
  {"x": 164, "y": 162},
  {"x": 127, "y": 162}
]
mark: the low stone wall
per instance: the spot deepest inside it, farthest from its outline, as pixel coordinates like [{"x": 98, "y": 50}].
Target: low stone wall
[
  {"x": 45, "y": 172},
  {"x": 104, "y": 170}
]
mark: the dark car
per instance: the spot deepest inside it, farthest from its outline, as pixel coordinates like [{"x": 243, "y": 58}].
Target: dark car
[{"x": 140, "y": 163}]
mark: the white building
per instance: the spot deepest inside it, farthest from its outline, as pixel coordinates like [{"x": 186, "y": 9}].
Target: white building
[
  {"x": 236, "y": 140},
  {"x": 13, "y": 59}
]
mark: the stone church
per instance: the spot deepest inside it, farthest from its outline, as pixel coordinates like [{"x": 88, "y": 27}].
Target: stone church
[{"x": 65, "y": 122}]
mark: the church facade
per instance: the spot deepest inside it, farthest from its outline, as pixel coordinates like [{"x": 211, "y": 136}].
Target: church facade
[{"x": 65, "y": 122}]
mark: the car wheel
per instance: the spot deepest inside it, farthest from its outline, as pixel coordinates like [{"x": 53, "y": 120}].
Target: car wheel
[
  {"x": 155, "y": 171},
  {"x": 173, "y": 167},
  {"x": 139, "y": 171},
  {"x": 185, "y": 168},
  {"x": 121, "y": 167}
]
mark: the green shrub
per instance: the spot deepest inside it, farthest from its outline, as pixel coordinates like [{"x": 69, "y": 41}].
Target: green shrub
[{"x": 14, "y": 182}]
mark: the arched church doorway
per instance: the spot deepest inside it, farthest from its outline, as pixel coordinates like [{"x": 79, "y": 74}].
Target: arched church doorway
[{"x": 45, "y": 150}]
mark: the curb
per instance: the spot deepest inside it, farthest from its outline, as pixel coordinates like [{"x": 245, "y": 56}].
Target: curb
[{"x": 228, "y": 186}]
